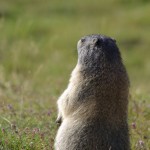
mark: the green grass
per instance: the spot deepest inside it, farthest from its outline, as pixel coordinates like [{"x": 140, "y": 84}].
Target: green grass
[{"x": 38, "y": 51}]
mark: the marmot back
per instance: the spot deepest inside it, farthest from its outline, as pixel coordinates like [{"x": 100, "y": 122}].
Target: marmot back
[{"x": 93, "y": 108}]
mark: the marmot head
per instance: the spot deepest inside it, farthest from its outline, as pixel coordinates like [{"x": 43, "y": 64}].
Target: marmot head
[{"x": 97, "y": 50}]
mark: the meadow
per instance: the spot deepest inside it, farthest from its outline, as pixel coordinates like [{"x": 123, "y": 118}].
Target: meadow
[{"x": 38, "y": 52}]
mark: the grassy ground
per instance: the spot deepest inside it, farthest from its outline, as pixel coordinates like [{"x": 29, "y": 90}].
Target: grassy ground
[{"x": 38, "y": 51}]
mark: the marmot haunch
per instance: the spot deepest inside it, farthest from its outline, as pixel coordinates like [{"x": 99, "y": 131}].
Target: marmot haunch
[{"x": 93, "y": 108}]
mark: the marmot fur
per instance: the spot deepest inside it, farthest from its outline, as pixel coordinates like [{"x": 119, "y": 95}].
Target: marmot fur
[{"x": 93, "y": 108}]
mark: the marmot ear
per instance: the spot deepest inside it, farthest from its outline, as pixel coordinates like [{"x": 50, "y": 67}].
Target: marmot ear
[
  {"x": 94, "y": 40},
  {"x": 113, "y": 40},
  {"x": 97, "y": 41}
]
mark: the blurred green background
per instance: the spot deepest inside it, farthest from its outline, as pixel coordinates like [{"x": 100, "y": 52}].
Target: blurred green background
[{"x": 38, "y": 52}]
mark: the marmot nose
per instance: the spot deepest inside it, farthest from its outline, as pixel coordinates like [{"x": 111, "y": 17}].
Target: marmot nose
[{"x": 79, "y": 43}]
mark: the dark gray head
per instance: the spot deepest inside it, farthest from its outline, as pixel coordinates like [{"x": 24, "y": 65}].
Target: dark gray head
[{"x": 96, "y": 50}]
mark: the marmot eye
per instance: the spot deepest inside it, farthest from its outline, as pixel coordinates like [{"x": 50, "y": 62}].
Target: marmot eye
[{"x": 83, "y": 40}]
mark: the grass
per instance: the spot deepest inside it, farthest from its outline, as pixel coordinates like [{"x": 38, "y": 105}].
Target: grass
[{"x": 38, "y": 51}]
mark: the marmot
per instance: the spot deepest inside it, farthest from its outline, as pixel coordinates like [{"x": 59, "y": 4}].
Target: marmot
[{"x": 93, "y": 108}]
